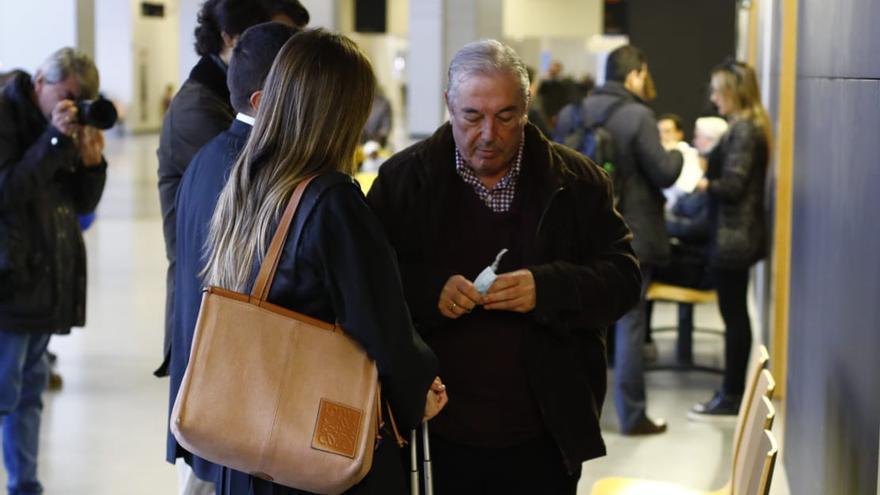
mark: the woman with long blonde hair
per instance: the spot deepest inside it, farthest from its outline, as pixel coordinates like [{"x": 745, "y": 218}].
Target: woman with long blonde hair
[
  {"x": 336, "y": 265},
  {"x": 735, "y": 184}
]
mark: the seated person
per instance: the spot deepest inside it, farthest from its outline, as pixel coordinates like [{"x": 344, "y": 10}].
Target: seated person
[
  {"x": 687, "y": 222},
  {"x": 672, "y": 138}
]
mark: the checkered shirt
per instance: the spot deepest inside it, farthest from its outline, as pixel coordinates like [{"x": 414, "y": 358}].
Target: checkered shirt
[{"x": 500, "y": 197}]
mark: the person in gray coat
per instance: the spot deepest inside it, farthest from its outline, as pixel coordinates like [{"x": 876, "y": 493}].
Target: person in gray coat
[
  {"x": 201, "y": 109},
  {"x": 643, "y": 168}
]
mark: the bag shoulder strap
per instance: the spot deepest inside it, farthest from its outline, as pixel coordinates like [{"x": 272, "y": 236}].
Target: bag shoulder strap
[
  {"x": 260, "y": 292},
  {"x": 612, "y": 109}
]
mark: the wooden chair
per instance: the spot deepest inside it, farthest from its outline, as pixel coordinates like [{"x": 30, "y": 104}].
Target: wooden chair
[
  {"x": 766, "y": 462},
  {"x": 754, "y": 418},
  {"x": 659, "y": 291}
]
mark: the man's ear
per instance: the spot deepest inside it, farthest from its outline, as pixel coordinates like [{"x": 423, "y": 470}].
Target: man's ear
[
  {"x": 39, "y": 80},
  {"x": 255, "y": 98},
  {"x": 228, "y": 41}
]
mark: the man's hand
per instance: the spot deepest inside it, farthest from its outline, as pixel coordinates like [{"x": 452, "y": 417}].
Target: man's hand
[
  {"x": 64, "y": 118},
  {"x": 514, "y": 291},
  {"x": 437, "y": 399},
  {"x": 703, "y": 185},
  {"x": 91, "y": 146},
  {"x": 458, "y": 297}
]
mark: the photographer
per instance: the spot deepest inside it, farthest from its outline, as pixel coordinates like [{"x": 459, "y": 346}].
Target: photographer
[{"x": 51, "y": 169}]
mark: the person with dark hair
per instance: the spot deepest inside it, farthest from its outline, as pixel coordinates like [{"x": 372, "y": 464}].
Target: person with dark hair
[
  {"x": 51, "y": 170},
  {"x": 521, "y": 340},
  {"x": 735, "y": 185},
  {"x": 378, "y": 126},
  {"x": 201, "y": 109},
  {"x": 293, "y": 10},
  {"x": 671, "y": 129},
  {"x": 200, "y": 186},
  {"x": 672, "y": 137},
  {"x": 642, "y": 169}
]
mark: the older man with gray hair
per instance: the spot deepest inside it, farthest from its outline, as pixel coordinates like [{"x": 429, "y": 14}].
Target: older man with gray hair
[
  {"x": 514, "y": 262},
  {"x": 51, "y": 169}
]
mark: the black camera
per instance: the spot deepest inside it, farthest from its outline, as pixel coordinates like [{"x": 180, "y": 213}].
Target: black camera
[{"x": 99, "y": 113}]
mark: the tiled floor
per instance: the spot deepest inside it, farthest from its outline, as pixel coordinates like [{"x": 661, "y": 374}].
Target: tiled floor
[{"x": 104, "y": 432}]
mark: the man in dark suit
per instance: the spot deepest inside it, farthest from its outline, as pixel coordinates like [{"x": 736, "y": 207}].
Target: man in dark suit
[
  {"x": 642, "y": 169},
  {"x": 199, "y": 189}
]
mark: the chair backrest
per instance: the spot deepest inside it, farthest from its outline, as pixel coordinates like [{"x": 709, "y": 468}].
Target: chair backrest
[
  {"x": 757, "y": 363},
  {"x": 759, "y": 418},
  {"x": 763, "y": 465}
]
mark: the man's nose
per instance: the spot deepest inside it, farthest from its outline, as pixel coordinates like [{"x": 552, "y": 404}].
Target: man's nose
[{"x": 489, "y": 129}]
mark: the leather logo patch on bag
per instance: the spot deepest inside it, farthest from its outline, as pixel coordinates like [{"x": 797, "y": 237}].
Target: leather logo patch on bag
[{"x": 338, "y": 429}]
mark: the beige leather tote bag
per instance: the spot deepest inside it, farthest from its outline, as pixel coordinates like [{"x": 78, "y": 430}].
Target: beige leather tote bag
[{"x": 274, "y": 393}]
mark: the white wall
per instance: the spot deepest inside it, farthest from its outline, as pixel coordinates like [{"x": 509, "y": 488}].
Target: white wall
[
  {"x": 137, "y": 57},
  {"x": 187, "y": 15},
  {"x": 425, "y": 67},
  {"x": 155, "y": 65},
  {"x": 113, "y": 42},
  {"x": 552, "y": 18},
  {"x": 544, "y": 30},
  {"x": 323, "y": 13},
  {"x": 28, "y": 35}
]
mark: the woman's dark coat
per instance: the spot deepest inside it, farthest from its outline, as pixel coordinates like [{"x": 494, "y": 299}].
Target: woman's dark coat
[
  {"x": 336, "y": 265},
  {"x": 43, "y": 187},
  {"x": 737, "y": 171}
]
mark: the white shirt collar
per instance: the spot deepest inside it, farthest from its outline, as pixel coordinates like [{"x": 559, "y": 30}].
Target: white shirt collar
[{"x": 247, "y": 119}]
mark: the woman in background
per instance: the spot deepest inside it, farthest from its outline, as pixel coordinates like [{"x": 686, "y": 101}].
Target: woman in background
[{"x": 735, "y": 184}]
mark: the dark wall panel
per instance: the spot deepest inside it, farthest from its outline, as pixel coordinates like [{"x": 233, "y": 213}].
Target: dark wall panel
[
  {"x": 833, "y": 404},
  {"x": 683, "y": 40},
  {"x": 839, "y": 38}
]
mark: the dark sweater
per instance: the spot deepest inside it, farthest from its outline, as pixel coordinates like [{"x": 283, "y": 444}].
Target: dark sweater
[{"x": 481, "y": 353}]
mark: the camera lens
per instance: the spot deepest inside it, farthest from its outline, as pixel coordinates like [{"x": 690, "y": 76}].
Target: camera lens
[{"x": 98, "y": 113}]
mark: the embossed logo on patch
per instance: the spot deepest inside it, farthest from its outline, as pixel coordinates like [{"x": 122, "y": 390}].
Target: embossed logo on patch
[{"x": 338, "y": 429}]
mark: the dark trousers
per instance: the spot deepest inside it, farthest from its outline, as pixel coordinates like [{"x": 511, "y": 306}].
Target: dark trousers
[
  {"x": 684, "y": 353},
  {"x": 534, "y": 467},
  {"x": 732, "y": 288},
  {"x": 629, "y": 363}
]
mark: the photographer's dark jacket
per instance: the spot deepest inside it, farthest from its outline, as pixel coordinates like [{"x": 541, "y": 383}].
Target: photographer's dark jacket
[
  {"x": 585, "y": 271},
  {"x": 43, "y": 187}
]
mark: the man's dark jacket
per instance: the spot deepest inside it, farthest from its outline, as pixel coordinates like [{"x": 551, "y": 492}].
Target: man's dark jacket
[
  {"x": 43, "y": 187},
  {"x": 198, "y": 112},
  {"x": 643, "y": 167},
  {"x": 585, "y": 271}
]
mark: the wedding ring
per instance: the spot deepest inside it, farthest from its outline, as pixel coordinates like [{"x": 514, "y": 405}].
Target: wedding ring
[{"x": 452, "y": 307}]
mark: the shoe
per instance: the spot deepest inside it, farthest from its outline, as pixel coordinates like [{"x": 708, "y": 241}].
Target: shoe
[
  {"x": 648, "y": 426},
  {"x": 55, "y": 381},
  {"x": 722, "y": 408}
]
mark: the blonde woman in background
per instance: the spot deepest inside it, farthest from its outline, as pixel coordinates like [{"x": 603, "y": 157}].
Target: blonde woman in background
[
  {"x": 735, "y": 184},
  {"x": 337, "y": 264}
]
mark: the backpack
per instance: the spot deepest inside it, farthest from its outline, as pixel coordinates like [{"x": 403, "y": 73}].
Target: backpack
[{"x": 594, "y": 141}]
